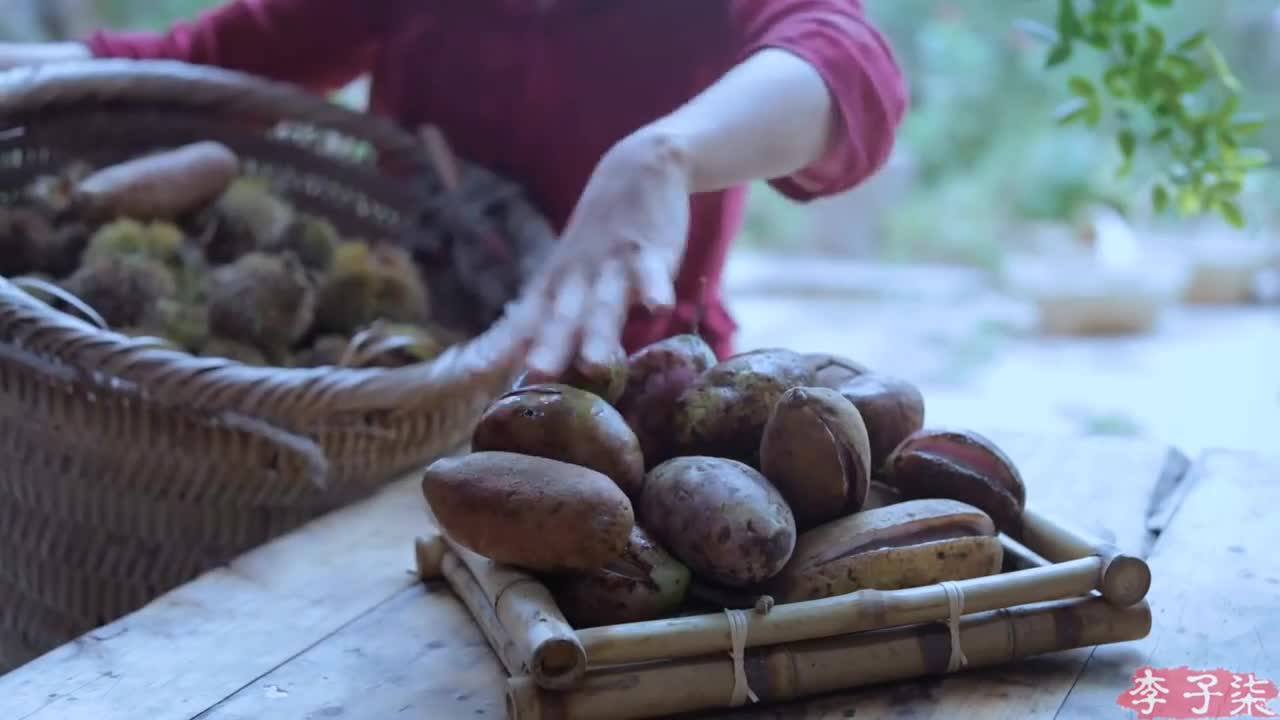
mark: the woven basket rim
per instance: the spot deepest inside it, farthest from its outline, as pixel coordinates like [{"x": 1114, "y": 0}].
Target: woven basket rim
[{"x": 54, "y": 342}]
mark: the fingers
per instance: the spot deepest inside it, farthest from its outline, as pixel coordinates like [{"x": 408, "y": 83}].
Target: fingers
[
  {"x": 651, "y": 278},
  {"x": 557, "y": 341},
  {"x": 604, "y": 317}
]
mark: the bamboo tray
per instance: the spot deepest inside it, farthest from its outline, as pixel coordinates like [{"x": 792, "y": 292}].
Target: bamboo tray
[{"x": 1058, "y": 590}]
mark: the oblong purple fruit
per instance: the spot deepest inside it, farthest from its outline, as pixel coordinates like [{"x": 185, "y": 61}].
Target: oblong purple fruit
[
  {"x": 720, "y": 517},
  {"x": 656, "y": 375}
]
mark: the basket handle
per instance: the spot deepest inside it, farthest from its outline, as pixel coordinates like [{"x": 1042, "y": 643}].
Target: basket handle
[{"x": 28, "y": 90}]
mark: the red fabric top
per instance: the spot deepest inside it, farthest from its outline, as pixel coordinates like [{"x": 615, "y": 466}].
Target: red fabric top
[{"x": 540, "y": 95}]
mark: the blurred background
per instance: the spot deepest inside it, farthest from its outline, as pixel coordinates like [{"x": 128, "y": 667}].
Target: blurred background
[{"x": 997, "y": 260}]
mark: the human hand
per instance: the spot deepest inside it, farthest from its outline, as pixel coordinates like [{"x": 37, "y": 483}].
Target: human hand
[{"x": 622, "y": 247}]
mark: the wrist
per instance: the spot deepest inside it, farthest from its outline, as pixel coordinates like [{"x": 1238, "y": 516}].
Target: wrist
[
  {"x": 64, "y": 52},
  {"x": 24, "y": 54},
  {"x": 655, "y": 149}
]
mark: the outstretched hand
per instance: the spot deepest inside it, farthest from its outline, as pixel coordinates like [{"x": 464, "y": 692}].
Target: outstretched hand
[{"x": 621, "y": 248}]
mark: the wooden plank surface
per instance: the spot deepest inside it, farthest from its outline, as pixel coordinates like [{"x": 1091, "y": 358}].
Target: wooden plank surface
[
  {"x": 210, "y": 638},
  {"x": 327, "y": 622},
  {"x": 1215, "y": 593}
]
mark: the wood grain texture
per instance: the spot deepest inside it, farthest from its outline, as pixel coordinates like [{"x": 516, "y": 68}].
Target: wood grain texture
[
  {"x": 206, "y": 640},
  {"x": 1215, "y": 595},
  {"x": 417, "y": 656},
  {"x": 329, "y": 622}
]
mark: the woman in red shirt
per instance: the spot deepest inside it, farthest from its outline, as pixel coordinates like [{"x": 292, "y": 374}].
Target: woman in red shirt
[{"x": 633, "y": 124}]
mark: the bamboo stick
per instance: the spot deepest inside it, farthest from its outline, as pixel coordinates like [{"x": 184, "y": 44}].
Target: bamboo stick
[
  {"x": 435, "y": 560},
  {"x": 1125, "y": 578},
  {"x": 543, "y": 640},
  {"x": 1018, "y": 556},
  {"x": 838, "y": 615},
  {"x": 795, "y": 670}
]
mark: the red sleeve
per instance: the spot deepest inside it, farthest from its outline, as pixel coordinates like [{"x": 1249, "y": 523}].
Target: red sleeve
[
  {"x": 858, "y": 65},
  {"x": 319, "y": 44}
]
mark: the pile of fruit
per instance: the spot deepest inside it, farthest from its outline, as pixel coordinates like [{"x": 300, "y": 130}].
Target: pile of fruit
[
  {"x": 182, "y": 246},
  {"x": 674, "y": 482}
]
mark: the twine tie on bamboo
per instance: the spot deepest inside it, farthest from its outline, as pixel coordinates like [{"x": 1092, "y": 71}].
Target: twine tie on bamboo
[
  {"x": 955, "y": 609},
  {"x": 738, "y": 624}
]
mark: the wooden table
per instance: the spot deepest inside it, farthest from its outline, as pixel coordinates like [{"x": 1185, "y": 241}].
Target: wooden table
[{"x": 330, "y": 622}]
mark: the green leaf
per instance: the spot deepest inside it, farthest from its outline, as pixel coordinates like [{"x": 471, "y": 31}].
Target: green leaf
[
  {"x": 1128, "y": 143},
  {"x": 1071, "y": 110},
  {"x": 1093, "y": 114},
  {"x": 1155, "y": 42},
  {"x": 1229, "y": 108},
  {"x": 1230, "y": 212},
  {"x": 1059, "y": 54},
  {"x": 1116, "y": 80},
  {"x": 1247, "y": 123},
  {"x": 1192, "y": 42},
  {"x": 1126, "y": 165},
  {"x": 1180, "y": 64},
  {"x": 1083, "y": 87},
  {"x": 1130, "y": 12},
  {"x": 1162, "y": 135},
  {"x": 1129, "y": 43},
  {"x": 1249, "y": 159},
  {"x": 1099, "y": 40},
  {"x": 1159, "y": 198},
  {"x": 1188, "y": 200},
  {"x": 1223, "y": 70},
  {"x": 1068, "y": 20},
  {"x": 1160, "y": 3},
  {"x": 1225, "y": 189}
]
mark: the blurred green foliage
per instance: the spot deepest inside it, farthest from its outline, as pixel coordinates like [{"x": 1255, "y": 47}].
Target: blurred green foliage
[
  {"x": 990, "y": 154},
  {"x": 1180, "y": 99},
  {"x": 150, "y": 14}
]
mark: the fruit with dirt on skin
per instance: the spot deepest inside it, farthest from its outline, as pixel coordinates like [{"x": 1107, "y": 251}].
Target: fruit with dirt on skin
[
  {"x": 905, "y": 545},
  {"x": 720, "y": 517},
  {"x": 655, "y": 376},
  {"x": 644, "y": 583},
  {"x": 529, "y": 512},
  {"x": 815, "y": 451},
  {"x": 724, "y": 412},
  {"x": 567, "y": 424},
  {"x": 831, "y": 371}
]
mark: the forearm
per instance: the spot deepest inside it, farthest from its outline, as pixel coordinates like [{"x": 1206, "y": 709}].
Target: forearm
[
  {"x": 767, "y": 117},
  {"x": 14, "y": 55}
]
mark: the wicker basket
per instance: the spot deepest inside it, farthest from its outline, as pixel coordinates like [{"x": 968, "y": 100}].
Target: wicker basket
[{"x": 127, "y": 469}]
